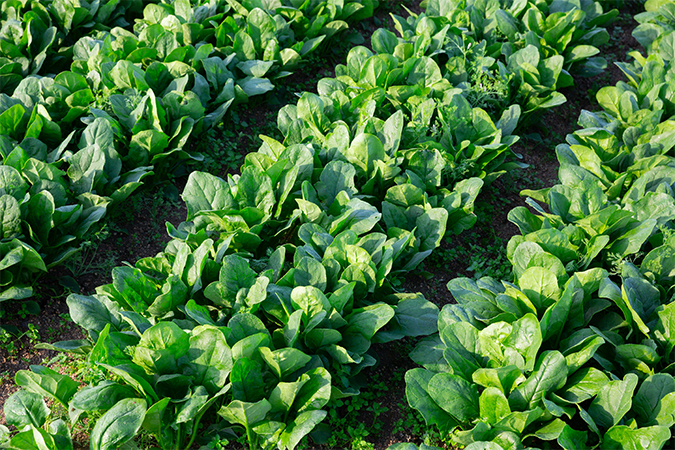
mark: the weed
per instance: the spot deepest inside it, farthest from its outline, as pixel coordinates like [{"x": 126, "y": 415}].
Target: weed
[
  {"x": 221, "y": 149},
  {"x": 485, "y": 255},
  {"x": 216, "y": 444},
  {"x": 77, "y": 367},
  {"x": 26, "y": 308},
  {"x": 413, "y": 423},
  {"x": 33, "y": 335},
  {"x": 355, "y": 419},
  {"x": 490, "y": 261},
  {"x": 516, "y": 181},
  {"x": 488, "y": 90},
  {"x": 11, "y": 342},
  {"x": 65, "y": 318},
  {"x": 87, "y": 261},
  {"x": 8, "y": 342},
  {"x": 225, "y": 145}
]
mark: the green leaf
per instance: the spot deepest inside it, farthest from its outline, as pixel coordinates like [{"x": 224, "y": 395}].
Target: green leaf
[
  {"x": 456, "y": 396},
  {"x": 136, "y": 289},
  {"x": 246, "y": 414},
  {"x": 518, "y": 421},
  {"x": 153, "y": 420},
  {"x": 653, "y": 399},
  {"x": 235, "y": 274},
  {"x": 431, "y": 228},
  {"x": 26, "y": 408},
  {"x": 493, "y": 405},
  {"x": 414, "y": 316},
  {"x": 364, "y": 150},
  {"x": 100, "y": 133},
  {"x": 119, "y": 424},
  {"x": 551, "y": 430},
  {"x": 428, "y": 165},
  {"x": 135, "y": 377},
  {"x": 367, "y": 321},
  {"x": 583, "y": 385},
  {"x": 299, "y": 428},
  {"x": 285, "y": 361},
  {"x": 248, "y": 346},
  {"x": 160, "y": 348},
  {"x": 101, "y": 397},
  {"x": 93, "y": 313},
  {"x": 555, "y": 317},
  {"x": 145, "y": 144},
  {"x": 34, "y": 438},
  {"x": 507, "y": 24},
  {"x": 623, "y": 437},
  {"x": 247, "y": 380},
  {"x": 462, "y": 351},
  {"x": 47, "y": 383},
  {"x": 283, "y": 395},
  {"x": 205, "y": 192},
  {"x": 642, "y": 296},
  {"x": 244, "y": 46},
  {"x": 337, "y": 176},
  {"x": 12, "y": 121},
  {"x": 664, "y": 412},
  {"x": 255, "y": 86},
  {"x": 526, "y": 338},
  {"x": 509, "y": 121},
  {"x": 255, "y": 189},
  {"x": 197, "y": 400},
  {"x": 417, "y": 393},
  {"x": 255, "y": 68},
  {"x": 541, "y": 287},
  {"x": 571, "y": 439},
  {"x": 316, "y": 392},
  {"x": 425, "y": 72},
  {"x": 10, "y": 217},
  {"x": 631, "y": 242},
  {"x": 210, "y": 358},
  {"x": 12, "y": 182},
  {"x": 244, "y": 325},
  {"x": 503, "y": 378},
  {"x": 384, "y": 41},
  {"x": 467, "y": 293},
  {"x": 613, "y": 401},
  {"x": 310, "y": 272},
  {"x": 549, "y": 375},
  {"x": 483, "y": 446},
  {"x": 579, "y": 354}
]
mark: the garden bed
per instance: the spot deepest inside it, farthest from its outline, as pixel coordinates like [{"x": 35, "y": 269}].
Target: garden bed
[{"x": 138, "y": 232}]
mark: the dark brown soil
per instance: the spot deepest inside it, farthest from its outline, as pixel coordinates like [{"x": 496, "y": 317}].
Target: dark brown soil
[{"x": 138, "y": 231}]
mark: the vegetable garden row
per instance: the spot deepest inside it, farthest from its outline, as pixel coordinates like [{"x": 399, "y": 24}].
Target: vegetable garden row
[{"x": 264, "y": 305}]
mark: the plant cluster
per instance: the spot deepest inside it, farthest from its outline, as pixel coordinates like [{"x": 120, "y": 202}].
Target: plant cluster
[
  {"x": 265, "y": 303},
  {"x": 96, "y": 96},
  {"x": 655, "y": 32},
  {"x": 577, "y": 348}
]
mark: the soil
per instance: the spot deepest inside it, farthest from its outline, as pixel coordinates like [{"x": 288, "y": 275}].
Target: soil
[{"x": 138, "y": 231}]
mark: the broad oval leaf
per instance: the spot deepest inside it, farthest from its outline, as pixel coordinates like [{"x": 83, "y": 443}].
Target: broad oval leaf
[{"x": 119, "y": 424}]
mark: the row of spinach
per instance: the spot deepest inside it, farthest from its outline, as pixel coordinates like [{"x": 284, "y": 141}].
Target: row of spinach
[
  {"x": 577, "y": 348},
  {"x": 266, "y": 302},
  {"x": 90, "y": 106},
  {"x": 40, "y": 37}
]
